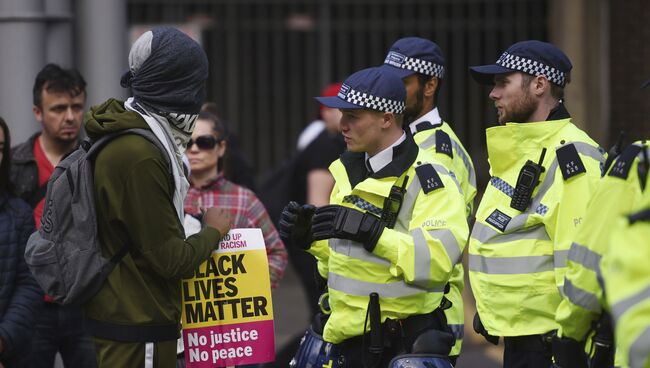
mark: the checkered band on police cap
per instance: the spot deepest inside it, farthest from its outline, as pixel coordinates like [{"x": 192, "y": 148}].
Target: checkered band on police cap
[
  {"x": 532, "y": 67},
  {"x": 369, "y": 101},
  {"x": 417, "y": 65}
]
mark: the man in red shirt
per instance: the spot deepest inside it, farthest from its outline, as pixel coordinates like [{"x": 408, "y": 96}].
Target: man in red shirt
[{"x": 59, "y": 99}]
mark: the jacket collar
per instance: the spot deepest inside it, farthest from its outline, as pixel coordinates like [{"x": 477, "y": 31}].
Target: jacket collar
[
  {"x": 404, "y": 154},
  {"x": 427, "y": 121},
  {"x": 510, "y": 145}
]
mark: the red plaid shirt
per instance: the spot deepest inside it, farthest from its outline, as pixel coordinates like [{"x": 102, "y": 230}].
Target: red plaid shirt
[{"x": 247, "y": 212}]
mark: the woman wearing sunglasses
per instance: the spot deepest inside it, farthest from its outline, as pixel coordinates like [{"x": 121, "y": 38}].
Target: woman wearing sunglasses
[{"x": 209, "y": 188}]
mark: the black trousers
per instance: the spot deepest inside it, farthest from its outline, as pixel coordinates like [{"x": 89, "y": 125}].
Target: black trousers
[{"x": 526, "y": 355}]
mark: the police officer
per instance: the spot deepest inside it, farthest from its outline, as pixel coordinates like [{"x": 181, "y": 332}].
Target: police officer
[
  {"x": 583, "y": 308},
  {"x": 543, "y": 172},
  {"x": 392, "y": 233},
  {"x": 421, "y": 66},
  {"x": 627, "y": 284}
]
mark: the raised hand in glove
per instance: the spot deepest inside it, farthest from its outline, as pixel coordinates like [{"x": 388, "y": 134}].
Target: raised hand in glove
[
  {"x": 335, "y": 221},
  {"x": 480, "y": 329},
  {"x": 295, "y": 224}
]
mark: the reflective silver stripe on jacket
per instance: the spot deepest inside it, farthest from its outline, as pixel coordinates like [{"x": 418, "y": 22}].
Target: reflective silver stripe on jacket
[
  {"x": 618, "y": 309},
  {"x": 355, "y": 250},
  {"x": 422, "y": 258},
  {"x": 582, "y": 148},
  {"x": 466, "y": 161},
  {"x": 585, "y": 257},
  {"x": 510, "y": 265},
  {"x": 640, "y": 350},
  {"x": 580, "y": 297},
  {"x": 487, "y": 235},
  {"x": 397, "y": 289}
]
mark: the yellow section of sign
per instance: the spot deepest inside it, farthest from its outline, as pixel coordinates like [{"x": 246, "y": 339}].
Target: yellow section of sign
[{"x": 230, "y": 287}]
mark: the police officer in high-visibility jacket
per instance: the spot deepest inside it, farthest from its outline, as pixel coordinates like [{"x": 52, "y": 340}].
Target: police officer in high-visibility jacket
[
  {"x": 543, "y": 172},
  {"x": 395, "y": 228},
  {"x": 627, "y": 284},
  {"x": 421, "y": 65},
  {"x": 583, "y": 309}
]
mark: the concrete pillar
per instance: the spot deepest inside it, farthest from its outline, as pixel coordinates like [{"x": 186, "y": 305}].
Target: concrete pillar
[
  {"x": 59, "y": 37},
  {"x": 580, "y": 28},
  {"x": 21, "y": 40},
  {"x": 102, "y": 48}
]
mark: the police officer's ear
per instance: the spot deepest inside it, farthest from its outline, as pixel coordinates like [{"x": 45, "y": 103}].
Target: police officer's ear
[
  {"x": 430, "y": 87},
  {"x": 389, "y": 119},
  {"x": 539, "y": 85}
]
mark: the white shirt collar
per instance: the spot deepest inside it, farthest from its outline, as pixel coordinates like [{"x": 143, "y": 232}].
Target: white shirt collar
[
  {"x": 432, "y": 116},
  {"x": 383, "y": 158}
]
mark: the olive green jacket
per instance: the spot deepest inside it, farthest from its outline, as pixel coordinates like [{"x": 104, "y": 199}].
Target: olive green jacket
[{"x": 141, "y": 299}]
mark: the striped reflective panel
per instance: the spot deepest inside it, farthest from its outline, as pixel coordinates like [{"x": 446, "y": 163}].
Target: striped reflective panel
[
  {"x": 362, "y": 204},
  {"x": 580, "y": 297},
  {"x": 584, "y": 256},
  {"x": 397, "y": 289},
  {"x": 618, "y": 309},
  {"x": 355, "y": 250},
  {"x": 509, "y": 190},
  {"x": 487, "y": 235},
  {"x": 458, "y": 330},
  {"x": 640, "y": 350},
  {"x": 510, "y": 265}
]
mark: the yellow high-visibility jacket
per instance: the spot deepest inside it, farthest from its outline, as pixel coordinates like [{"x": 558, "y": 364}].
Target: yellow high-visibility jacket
[
  {"x": 517, "y": 259},
  {"x": 584, "y": 298},
  {"x": 411, "y": 263},
  {"x": 626, "y": 275},
  {"x": 436, "y": 137}
]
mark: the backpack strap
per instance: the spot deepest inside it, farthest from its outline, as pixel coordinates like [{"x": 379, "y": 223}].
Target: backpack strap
[{"x": 36, "y": 198}]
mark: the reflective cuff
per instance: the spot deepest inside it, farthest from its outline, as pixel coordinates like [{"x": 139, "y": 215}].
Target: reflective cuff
[
  {"x": 458, "y": 330},
  {"x": 580, "y": 297}
]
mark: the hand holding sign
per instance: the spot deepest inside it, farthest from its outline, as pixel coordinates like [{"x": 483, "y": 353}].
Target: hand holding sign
[{"x": 218, "y": 218}]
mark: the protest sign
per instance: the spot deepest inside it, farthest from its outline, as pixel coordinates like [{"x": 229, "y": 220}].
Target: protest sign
[{"x": 227, "y": 307}]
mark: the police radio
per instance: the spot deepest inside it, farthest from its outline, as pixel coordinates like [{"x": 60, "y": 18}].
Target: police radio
[
  {"x": 526, "y": 182},
  {"x": 393, "y": 203}
]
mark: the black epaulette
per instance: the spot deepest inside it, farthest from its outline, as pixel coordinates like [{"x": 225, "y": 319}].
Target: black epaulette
[
  {"x": 423, "y": 125},
  {"x": 621, "y": 167},
  {"x": 429, "y": 178},
  {"x": 569, "y": 161},
  {"x": 443, "y": 143}
]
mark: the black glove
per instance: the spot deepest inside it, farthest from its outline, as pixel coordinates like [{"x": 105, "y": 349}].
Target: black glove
[
  {"x": 295, "y": 224},
  {"x": 335, "y": 221},
  {"x": 480, "y": 329},
  {"x": 568, "y": 352}
]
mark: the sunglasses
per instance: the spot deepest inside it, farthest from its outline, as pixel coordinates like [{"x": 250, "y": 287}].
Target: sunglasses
[{"x": 204, "y": 142}]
